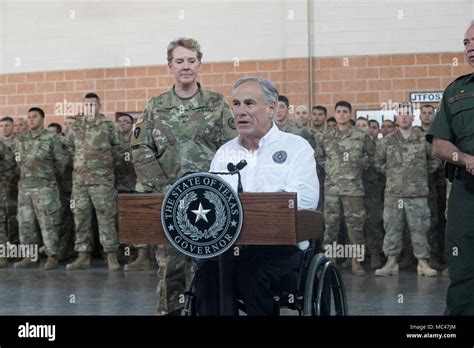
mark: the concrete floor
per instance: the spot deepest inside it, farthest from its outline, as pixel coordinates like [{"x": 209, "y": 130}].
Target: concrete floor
[
  {"x": 405, "y": 294},
  {"x": 98, "y": 292}
]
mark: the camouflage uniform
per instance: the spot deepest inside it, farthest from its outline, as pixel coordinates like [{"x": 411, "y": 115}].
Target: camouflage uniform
[
  {"x": 7, "y": 168},
  {"x": 125, "y": 177},
  {"x": 96, "y": 146},
  {"x": 437, "y": 205},
  {"x": 66, "y": 234},
  {"x": 374, "y": 185},
  {"x": 406, "y": 163},
  {"x": 344, "y": 156},
  {"x": 42, "y": 160},
  {"x": 175, "y": 136},
  {"x": 11, "y": 196},
  {"x": 125, "y": 181},
  {"x": 319, "y": 170},
  {"x": 294, "y": 128}
]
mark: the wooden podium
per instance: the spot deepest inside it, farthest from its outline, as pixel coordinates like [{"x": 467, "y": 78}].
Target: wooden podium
[{"x": 269, "y": 219}]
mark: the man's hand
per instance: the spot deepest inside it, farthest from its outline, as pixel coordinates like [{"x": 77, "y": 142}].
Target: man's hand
[{"x": 468, "y": 161}]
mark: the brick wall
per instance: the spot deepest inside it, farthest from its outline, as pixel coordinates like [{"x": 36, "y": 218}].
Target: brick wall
[
  {"x": 368, "y": 81},
  {"x": 365, "y": 81}
]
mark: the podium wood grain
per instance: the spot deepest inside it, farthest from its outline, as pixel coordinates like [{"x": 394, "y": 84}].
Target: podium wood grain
[{"x": 269, "y": 219}]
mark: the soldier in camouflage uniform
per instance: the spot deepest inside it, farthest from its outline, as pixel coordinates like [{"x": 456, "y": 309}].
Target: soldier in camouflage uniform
[
  {"x": 374, "y": 129},
  {"x": 66, "y": 234},
  {"x": 96, "y": 144},
  {"x": 406, "y": 159},
  {"x": 7, "y": 171},
  {"x": 302, "y": 116},
  {"x": 345, "y": 152},
  {"x": 286, "y": 125},
  {"x": 179, "y": 132},
  {"x": 11, "y": 184},
  {"x": 374, "y": 185},
  {"x": 436, "y": 199},
  {"x": 125, "y": 181},
  {"x": 125, "y": 177},
  {"x": 20, "y": 126},
  {"x": 42, "y": 160},
  {"x": 318, "y": 126}
]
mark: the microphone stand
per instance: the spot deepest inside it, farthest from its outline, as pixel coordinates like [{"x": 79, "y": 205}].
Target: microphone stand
[
  {"x": 227, "y": 262},
  {"x": 239, "y": 178}
]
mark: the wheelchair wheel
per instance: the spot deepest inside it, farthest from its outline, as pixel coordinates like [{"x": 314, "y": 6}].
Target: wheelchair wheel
[{"x": 324, "y": 287}]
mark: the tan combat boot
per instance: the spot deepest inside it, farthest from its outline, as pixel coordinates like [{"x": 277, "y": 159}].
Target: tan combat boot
[
  {"x": 142, "y": 263},
  {"x": 3, "y": 262},
  {"x": 425, "y": 270},
  {"x": 357, "y": 268},
  {"x": 375, "y": 261},
  {"x": 390, "y": 268},
  {"x": 51, "y": 263},
  {"x": 25, "y": 263},
  {"x": 112, "y": 262},
  {"x": 82, "y": 262}
]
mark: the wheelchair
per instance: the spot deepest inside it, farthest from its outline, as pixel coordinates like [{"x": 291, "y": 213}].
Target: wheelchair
[{"x": 316, "y": 289}]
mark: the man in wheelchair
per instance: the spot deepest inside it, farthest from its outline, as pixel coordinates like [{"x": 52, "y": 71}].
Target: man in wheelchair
[{"x": 277, "y": 161}]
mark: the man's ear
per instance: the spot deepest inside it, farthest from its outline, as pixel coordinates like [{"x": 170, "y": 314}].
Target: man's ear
[{"x": 272, "y": 109}]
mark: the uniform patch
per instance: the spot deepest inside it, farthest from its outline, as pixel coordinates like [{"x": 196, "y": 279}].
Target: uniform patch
[
  {"x": 231, "y": 123},
  {"x": 280, "y": 157},
  {"x": 136, "y": 132}
]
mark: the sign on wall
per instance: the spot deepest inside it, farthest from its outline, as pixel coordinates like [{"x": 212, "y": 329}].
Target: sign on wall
[{"x": 426, "y": 97}]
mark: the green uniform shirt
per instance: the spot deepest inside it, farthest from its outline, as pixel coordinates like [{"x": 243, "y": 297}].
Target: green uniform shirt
[
  {"x": 373, "y": 180},
  {"x": 42, "y": 158},
  {"x": 7, "y": 162},
  {"x": 406, "y": 164},
  {"x": 344, "y": 156},
  {"x": 454, "y": 122},
  {"x": 12, "y": 142},
  {"x": 11, "y": 183},
  {"x": 125, "y": 177},
  {"x": 96, "y": 148},
  {"x": 176, "y": 135}
]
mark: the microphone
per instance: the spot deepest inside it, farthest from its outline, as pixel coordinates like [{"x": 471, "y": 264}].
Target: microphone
[
  {"x": 231, "y": 167},
  {"x": 241, "y": 165},
  {"x": 235, "y": 169}
]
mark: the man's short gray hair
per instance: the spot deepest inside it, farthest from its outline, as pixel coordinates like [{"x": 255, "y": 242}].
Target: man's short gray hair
[{"x": 270, "y": 92}]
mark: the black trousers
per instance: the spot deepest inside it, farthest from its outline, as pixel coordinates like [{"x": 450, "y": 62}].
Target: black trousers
[
  {"x": 459, "y": 249},
  {"x": 257, "y": 271}
]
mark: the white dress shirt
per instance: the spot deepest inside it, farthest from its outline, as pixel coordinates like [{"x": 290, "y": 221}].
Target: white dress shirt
[{"x": 282, "y": 162}]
